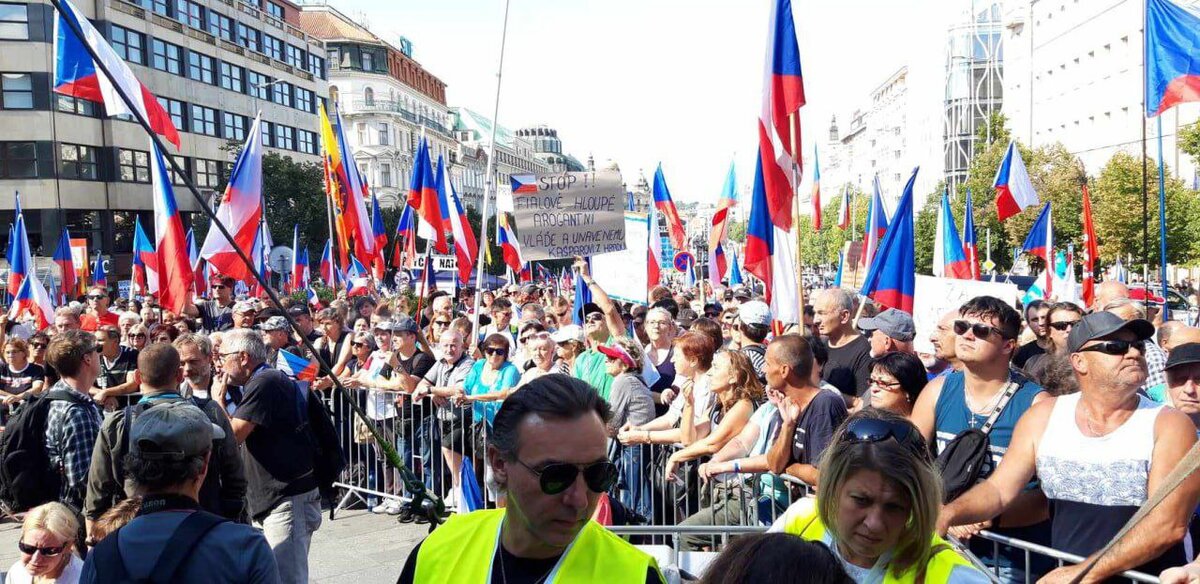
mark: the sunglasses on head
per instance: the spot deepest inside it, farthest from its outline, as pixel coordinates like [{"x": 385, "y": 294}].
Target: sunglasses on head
[
  {"x": 45, "y": 551},
  {"x": 557, "y": 477},
  {"x": 1116, "y": 347},
  {"x": 1064, "y": 325},
  {"x": 870, "y": 430},
  {"x": 979, "y": 329}
]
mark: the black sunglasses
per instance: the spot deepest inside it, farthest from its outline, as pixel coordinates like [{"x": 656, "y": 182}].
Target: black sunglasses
[
  {"x": 94, "y": 297},
  {"x": 33, "y": 549},
  {"x": 1064, "y": 325},
  {"x": 38, "y": 345},
  {"x": 442, "y": 322},
  {"x": 981, "y": 331},
  {"x": 137, "y": 336},
  {"x": 217, "y": 286},
  {"x": 356, "y": 344},
  {"x": 1116, "y": 347},
  {"x": 557, "y": 477},
  {"x": 869, "y": 430},
  {"x": 495, "y": 351}
]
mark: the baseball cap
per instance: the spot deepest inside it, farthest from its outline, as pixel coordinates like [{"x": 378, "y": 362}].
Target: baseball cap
[
  {"x": 591, "y": 307},
  {"x": 404, "y": 324},
  {"x": 741, "y": 293},
  {"x": 1103, "y": 323},
  {"x": 894, "y": 323},
  {"x": 1184, "y": 354},
  {"x": 571, "y": 332},
  {"x": 245, "y": 306},
  {"x": 275, "y": 323},
  {"x": 686, "y": 317},
  {"x": 529, "y": 289},
  {"x": 173, "y": 431},
  {"x": 755, "y": 312},
  {"x": 617, "y": 352},
  {"x": 298, "y": 310}
]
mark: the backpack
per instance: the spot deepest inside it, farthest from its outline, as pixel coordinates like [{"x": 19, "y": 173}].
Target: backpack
[
  {"x": 967, "y": 458},
  {"x": 127, "y": 424},
  {"x": 26, "y": 477}
]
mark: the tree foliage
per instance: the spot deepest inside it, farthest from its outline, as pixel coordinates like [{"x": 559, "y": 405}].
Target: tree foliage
[{"x": 1117, "y": 208}]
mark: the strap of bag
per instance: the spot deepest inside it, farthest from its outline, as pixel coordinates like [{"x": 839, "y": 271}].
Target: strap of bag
[
  {"x": 189, "y": 533},
  {"x": 1009, "y": 389}
]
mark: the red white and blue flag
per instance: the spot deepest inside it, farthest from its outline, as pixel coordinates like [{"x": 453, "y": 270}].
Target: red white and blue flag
[
  {"x": 199, "y": 277},
  {"x": 404, "y": 251},
  {"x": 779, "y": 143},
  {"x": 66, "y": 267},
  {"x": 423, "y": 198},
  {"x": 717, "y": 261},
  {"x": 510, "y": 248},
  {"x": 665, "y": 206},
  {"x": 1091, "y": 251},
  {"x": 328, "y": 268},
  {"x": 654, "y": 251},
  {"x": 1014, "y": 191},
  {"x": 32, "y": 299},
  {"x": 876, "y": 225},
  {"x": 297, "y": 279},
  {"x": 76, "y": 74},
  {"x": 1040, "y": 243},
  {"x": 261, "y": 250},
  {"x": 970, "y": 247},
  {"x": 380, "y": 233},
  {"x": 816, "y": 192},
  {"x": 949, "y": 258},
  {"x": 173, "y": 268},
  {"x": 354, "y": 205},
  {"x": 296, "y": 367},
  {"x": 455, "y": 219},
  {"x": 844, "y": 210},
  {"x": 769, "y": 254},
  {"x": 523, "y": 183},
  {"x": 145, "y": 263},
  {"x": 20, "y": 260},
  {"x": 313, "y": 299},
  {"x": 240, "y": 211},
  {"x": 99, "y": 278},
  {"x": 891, "y": 281},
  {"x": 1172, "y": 67}
]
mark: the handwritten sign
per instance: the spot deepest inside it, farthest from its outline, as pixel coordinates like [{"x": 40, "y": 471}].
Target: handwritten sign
[
  {"x": 569, "y": 214},
  {"x": 622, "y": 274},
  {"x": 935, "y": 296}
]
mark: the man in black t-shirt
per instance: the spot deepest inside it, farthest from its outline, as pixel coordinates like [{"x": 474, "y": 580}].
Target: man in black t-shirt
[
  {"x": 1036, "y": 317},
  {"x": 272, "y": 422},
  {"x": 810, "y": 415},
  {"x": 216, "y": 314},
  {"x": 115, "y": 386},
  {"x": 849, "y": 365}
]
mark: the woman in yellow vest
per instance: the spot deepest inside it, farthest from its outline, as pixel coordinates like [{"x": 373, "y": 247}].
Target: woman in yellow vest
[
  {"x": 877, "y": 505},
  {"x": 548, "y": 454}
]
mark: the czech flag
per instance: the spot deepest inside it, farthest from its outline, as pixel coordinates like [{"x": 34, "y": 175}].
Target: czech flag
[
  {"x": 240, "y": 211},
  {"x": 405, "y": 248},
  {"x": 313, "y": 300},
  {"x": 99, "y": 278},
  {"x": 1172, "y": 68},
  {"x": 770, "y": 253},
  {"x": 306, "y": 278},
  {"x": 423, "y": 198},
  {"x": 523, "y": 183},
  {"x": 969, "y": 246},
  {"x": 296, "y": 367},
  {"x": 199, "y": 278},
  {"x": 20, "y": 260},
  {"x": 62, "y": 257},
  {"x": 877, "y": 224},
  {"x": 779, "y": 143},
  {"x": 891, "y": 280},
  {"x": 662, "y": 200},
  {"x": 509, "y": 246},
  {"x": 466, "y": 249},
  {"x": 949, "y": 259},
  {"x": 172, "y": 272},
  {"x": 1091, "y": 251},
  {"x": 816, "y": 191},
  {"x": 145, "y": 269},
  {"x": 32, "y": 298},
  {"x": 653, "y": 269},
  {"x": 298, "y": 263},
  {"x": 76, "y": 74},
  {"x": 328, "y": 270},
  {"x": 735, "y": 273},
  {"x": 380, "y": 237},
  {"x": 844, "y": 210},
  {"x": 1014, "y": 191},
  {"x": 718, "y": 265},
  {"x": 1040, "y": 243}
]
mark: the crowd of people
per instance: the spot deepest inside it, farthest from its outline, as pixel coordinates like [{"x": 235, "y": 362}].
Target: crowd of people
[{"x": 190, "y": 445}]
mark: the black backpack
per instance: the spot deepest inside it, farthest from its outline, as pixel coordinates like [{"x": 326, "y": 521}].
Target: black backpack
[
  {"x": 967, "y": 459},
  {"x": 26, "y": 477}
]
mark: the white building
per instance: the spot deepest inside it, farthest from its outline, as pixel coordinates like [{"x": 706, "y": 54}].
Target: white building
[
  {"x": 514, "y": 154},
  {"x": 1074, "y": 75}
]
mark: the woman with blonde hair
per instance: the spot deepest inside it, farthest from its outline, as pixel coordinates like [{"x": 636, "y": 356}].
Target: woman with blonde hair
[
  {"x": 47, "y": 547},
  {"x": 877, "y": 505}
]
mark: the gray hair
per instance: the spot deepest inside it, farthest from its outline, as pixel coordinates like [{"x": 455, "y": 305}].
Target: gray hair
[
  {"x": 128, "y": 316},
  {"x": 661, "y": 312},
  {"x": 840, "y": 297},
  {"x": 248, "y": 341},
  {"x": 1118, "y": 305},
  {"x": 198, "y": 340},
  {"x": 66, "y": 311}
]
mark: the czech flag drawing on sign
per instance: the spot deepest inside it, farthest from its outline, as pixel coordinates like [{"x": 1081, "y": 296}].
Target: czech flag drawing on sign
[{"x": 523, "y": 183}]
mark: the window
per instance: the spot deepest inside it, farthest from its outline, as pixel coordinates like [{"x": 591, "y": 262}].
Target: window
[
  {"x": 295, "y": 56},
  {"x": 129, "y": 45},
  {"x": 235, "y": 126},
  {"x": 272, "y": 47},
  {"x": 368, "y": 61},
  {"x": 16, "y": 91},
  {"x": 14, "y": 22},
  {"x": 316, "y": 66},
  {"x": 231, "y": 77},
  {"x": 177, "y": 178},
  {"x": 77, "y": 162},
  {"x": 74, "y": 105},
  {"x": 275, "y": 10},
  {"x": 18, "y": 160},
  {"x": 282, "y": 94},
  {"x": 204, "y": 120},
  {"x": 259, "y": 85},
  {"x": 166, "y": 57},
  {"x": 207, "y": 173},
  {"x": 304, "y": 100},
  {"x": 385, "y": 134},
  {"x": 369, "y": 96},
  {"x": 133, "y": 165},
  {"x": 284, "y": 137},
  {"x": 174, "y": 107},
  {"x": 385, "y": 175},
  {"x": 248, "y": 37},
  {"x": 189, "y": 13},
  {"x": 161, "y": 7},
  {"x": 220, "y": 26},
  {"x": 307, "y": 141},
  {"x": 265, "y": 130},
  {"x": 200, "y": 67}
]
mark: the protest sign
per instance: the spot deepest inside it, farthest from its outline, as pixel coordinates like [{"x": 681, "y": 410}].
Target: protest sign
[
  {"x": 441, "y": 263},
  {"x": 622, "y": 274},
  {"x": 935, "y": 296},
  {"x": 569, "y": 214}
]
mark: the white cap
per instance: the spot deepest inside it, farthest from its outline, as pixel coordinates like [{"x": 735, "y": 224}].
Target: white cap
[
  {"x": 755, "y": 312},
  {"x": 571, "y": 332}
]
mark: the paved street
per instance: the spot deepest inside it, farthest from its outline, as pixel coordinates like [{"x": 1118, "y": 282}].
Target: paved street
[{"x": 358, "y": 548}]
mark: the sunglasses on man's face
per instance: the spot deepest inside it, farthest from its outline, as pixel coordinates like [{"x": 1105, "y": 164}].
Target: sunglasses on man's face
[
  {"x": 1116, "y": 347},
  {"x": 979, "y": 329},
  {"x": 218, "y": 286},
  {"x": 138, "y": 336},
  {"x": 38, "y": 345},
  {"x": 1063, "y": 326},
  {"x": 45, "y": 551},
  {"x": 554, "y": 478}
]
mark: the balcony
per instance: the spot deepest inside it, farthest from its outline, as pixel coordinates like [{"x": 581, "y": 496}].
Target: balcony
[{"x": 395, "y": 107}]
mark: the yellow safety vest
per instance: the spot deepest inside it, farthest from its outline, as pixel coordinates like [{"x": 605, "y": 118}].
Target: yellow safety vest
[
  {"x": 463, "y": 548},
  {"x": 807, "y": 524}
]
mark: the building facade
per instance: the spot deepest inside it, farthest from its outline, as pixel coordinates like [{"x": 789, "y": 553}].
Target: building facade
[
  {"x": 212, "y": 64},
  {"x": 387, "y": 100},
  {"x": 514, "y": 154},
  {"x": 975, "y": 60},
  {"x": 547, "y": 147}
]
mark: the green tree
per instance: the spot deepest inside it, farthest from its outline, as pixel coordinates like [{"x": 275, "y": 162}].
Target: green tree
[
  {"x": 1117, "y": 204},
  {"x": 1189, "y": 141},
  {"x": 925, "y": 230},
  {"x": 822, "y": 247}
]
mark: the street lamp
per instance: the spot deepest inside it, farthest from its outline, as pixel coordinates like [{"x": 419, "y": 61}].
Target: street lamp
[{"x": 254, "y": 94}]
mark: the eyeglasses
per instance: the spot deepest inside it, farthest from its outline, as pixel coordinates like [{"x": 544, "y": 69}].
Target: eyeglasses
[
  {"x": 980, "y": 330},
  {"x": 870, "y": 430},
  {"x": 442, "y": 322},
  {"x": 495, "y": 351},
  {"x": 217, "y": 286},
  {"x": 94, "y": 297},
  {"x": 1116, "y": 347},
  {"x": 135, "y": 336},
  {"x": 524, "y": 339},
  {"x": 557, "y": 477},
  {"x": 45, "y": 551},
  {"x": 38, "y": 345},
  {"x": 357, "y": 345},
  {"x": 226, "y": 355},
  {"x": 884, "y": 384},
  {"x": 1063, "y": 325}
]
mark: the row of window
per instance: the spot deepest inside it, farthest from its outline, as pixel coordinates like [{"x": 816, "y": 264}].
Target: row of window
[
  {"x": 84, "y": 162},
  {"x": 131, "y": 46},
  {"x": 224, "y": 27}
]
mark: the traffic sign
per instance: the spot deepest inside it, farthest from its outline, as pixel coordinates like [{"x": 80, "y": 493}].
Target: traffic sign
[
  {"x": 683, "y": 261},
  {"x": 988, "y": 265}
]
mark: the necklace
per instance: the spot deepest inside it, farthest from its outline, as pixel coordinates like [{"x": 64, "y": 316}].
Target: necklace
[{"x": 504, "y": 572}]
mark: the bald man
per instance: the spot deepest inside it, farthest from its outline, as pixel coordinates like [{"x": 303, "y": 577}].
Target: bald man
[
  {"x": 1182, "y": 337},
  {"x": 1166, "y": 331},
  {"x": 1108, "y": 291}
]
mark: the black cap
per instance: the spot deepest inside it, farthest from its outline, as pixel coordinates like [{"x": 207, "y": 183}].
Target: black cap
[
  {"x": 686, "y": 317},
  {"x": 298, "y": 310},
  {"x": 1184, "y": 354},
  {"x": 591, "y": 307},
  {"x": 1098, "y": 325}
]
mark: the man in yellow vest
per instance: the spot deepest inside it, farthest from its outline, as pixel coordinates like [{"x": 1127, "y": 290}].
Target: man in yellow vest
[{"x": 548, "y": 453}]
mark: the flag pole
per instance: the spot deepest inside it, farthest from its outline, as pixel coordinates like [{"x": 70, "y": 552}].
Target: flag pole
[
  {"x": 797, "y": 173},
  {"x": 1162, "y": 227},
  {"x": 1145, "y": 175},
  {"x": 424, "y": 502},
  {"x": 490, "y": 179}
]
